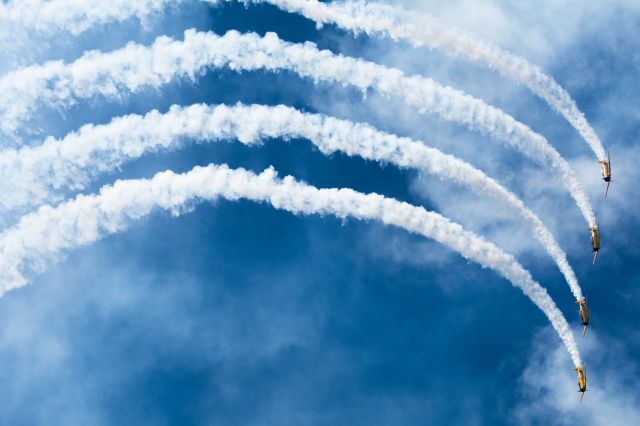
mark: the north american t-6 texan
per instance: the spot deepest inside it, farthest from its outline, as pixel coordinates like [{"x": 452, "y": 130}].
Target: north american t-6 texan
[
  {"x": 595, "y": 240},
  {"x": 582, "y": 380},
  {"x": 584, "y": 314},
  {"x": 606, "y": 171}
]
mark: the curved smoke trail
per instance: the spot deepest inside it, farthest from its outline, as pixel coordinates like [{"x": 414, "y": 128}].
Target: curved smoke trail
[
  {"x": 424, "y": 30},
  {"x": 135, "y": 67},
  {"x": 75, "y": 16},
  {"x": 34, "y": 175},
  {"x": 43, "y": 236}
]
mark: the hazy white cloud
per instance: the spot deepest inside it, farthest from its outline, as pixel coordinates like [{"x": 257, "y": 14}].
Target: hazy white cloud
[{"x": 548, "y": 388}]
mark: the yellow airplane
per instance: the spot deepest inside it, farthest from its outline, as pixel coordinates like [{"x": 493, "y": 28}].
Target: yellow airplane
[
  {"x": 584, "y": 314},
  {"x": 595, "y": 240},
  {"x": 606, "y": 171},
  {"x": 582, "y": 380}
]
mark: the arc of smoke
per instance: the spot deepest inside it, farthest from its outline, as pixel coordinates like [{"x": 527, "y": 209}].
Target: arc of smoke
[
  {"x": 135, "y": 67},
  {"x": 425, "y": 31},
  {"x": 42, "y": 236},
  {"x": 76, "y": 16},
  {"x": 39, "y": 174}
]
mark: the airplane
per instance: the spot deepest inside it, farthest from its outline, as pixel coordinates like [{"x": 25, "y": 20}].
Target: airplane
[
  {"x": 584, "y": 314},
  {"x": 595, "y": 240},
  {"x": 582, "y": 380},
  {"x": 606, "y": 171}
]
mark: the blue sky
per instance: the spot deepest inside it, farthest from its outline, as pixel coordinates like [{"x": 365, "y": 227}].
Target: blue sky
[{"x": 238, "y": 314}]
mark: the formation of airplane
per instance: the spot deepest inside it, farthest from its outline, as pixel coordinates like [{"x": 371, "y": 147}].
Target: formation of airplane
[{"x": 595, "y": 246}]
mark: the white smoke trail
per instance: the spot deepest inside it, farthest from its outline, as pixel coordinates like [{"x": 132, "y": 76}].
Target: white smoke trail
[
  {"x": 75, "y": 16},
  {"x": 33, "y": 175},
  {"x": 43, "y": 236},
  {"x": 135, "y": 67},
  {"x": 424, "y": 30}
]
